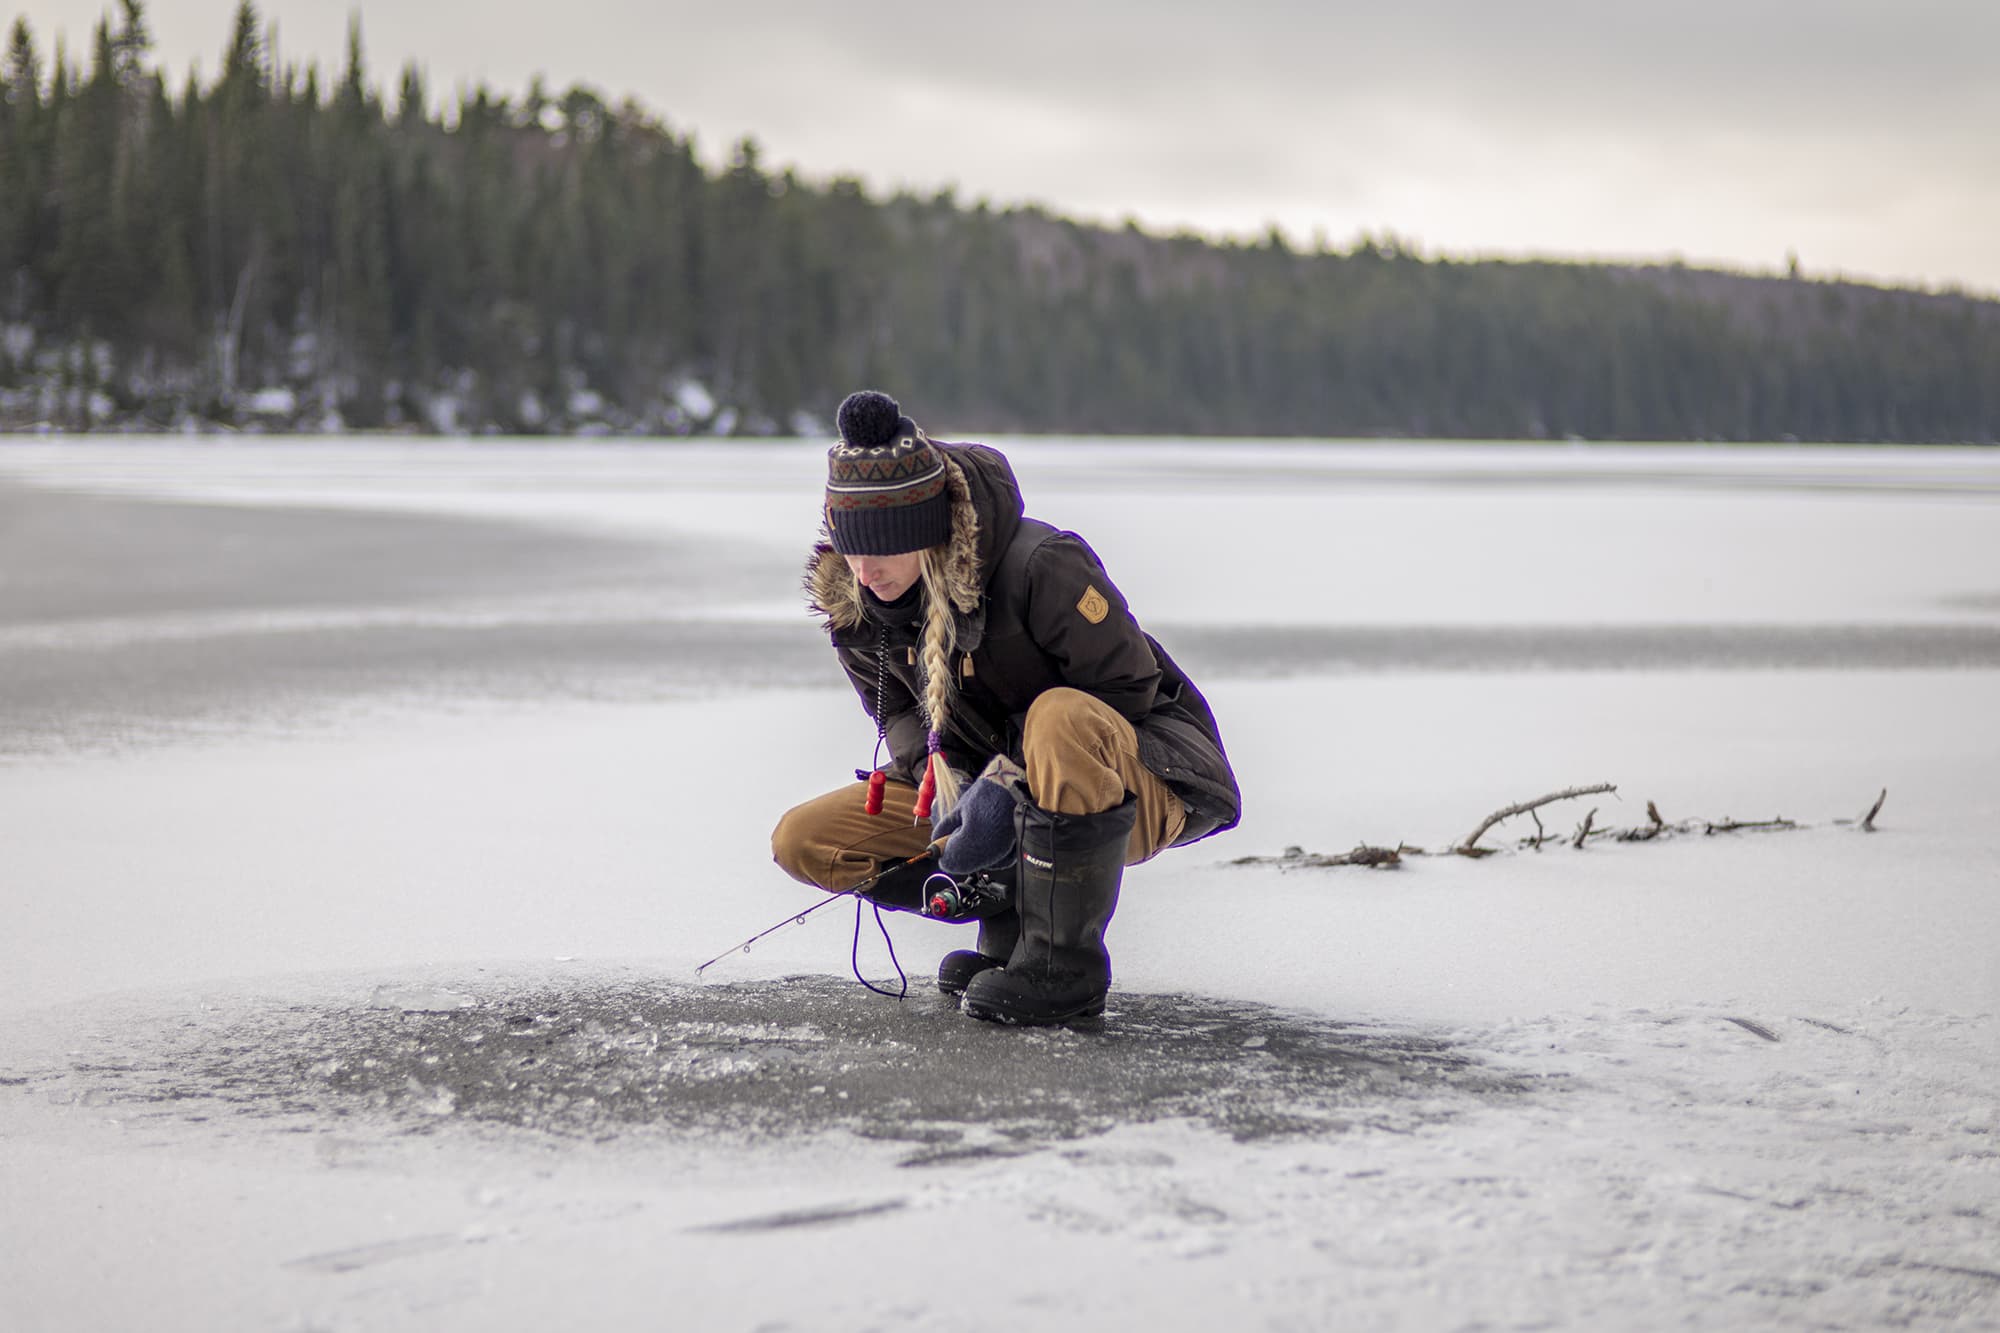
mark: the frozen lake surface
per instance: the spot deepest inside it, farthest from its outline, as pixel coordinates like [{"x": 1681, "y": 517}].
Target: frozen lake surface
[
  {"x": 285, "y": 576},
  {"x": 366, "y": 807}
]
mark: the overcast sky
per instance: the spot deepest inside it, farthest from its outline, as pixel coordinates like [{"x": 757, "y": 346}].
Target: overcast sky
[{"x": 1862, "y": 134}]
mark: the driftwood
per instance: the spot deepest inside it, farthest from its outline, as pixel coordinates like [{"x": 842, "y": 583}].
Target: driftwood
[
  {"x": 1739, "y": 825},
  {"x": 1470, "y": 847},
  {"x": 1298, "y": 858},
  {"x": 1656, "y": 827}
]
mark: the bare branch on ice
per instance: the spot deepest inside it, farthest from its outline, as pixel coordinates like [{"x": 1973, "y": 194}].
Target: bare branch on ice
[
  {"x": 1385, "y": 858},
  {"x": 1470, "y": 846},
  {"x": 1729, "y": 825},
  {"x": 1377, "y": 858}
]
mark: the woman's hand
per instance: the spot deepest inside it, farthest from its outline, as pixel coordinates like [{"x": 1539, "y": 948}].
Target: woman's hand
[{"x": 979, "y": 833}]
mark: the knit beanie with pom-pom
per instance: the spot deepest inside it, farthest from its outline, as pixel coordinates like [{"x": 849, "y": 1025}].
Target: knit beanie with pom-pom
[{"x": 885, "y": 481}]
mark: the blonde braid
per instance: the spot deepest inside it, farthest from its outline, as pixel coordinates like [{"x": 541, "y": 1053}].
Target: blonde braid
[{"x": 940, "y": 637}]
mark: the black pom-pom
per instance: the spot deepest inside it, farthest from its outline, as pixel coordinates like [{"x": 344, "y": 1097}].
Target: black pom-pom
[{"x": 868, "y": 419}]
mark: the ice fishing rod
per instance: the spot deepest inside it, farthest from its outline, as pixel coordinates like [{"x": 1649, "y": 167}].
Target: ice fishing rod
[{"x": 798, "y": 918}]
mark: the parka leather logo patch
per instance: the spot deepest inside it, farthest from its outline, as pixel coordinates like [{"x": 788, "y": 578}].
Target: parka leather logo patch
[{"x": 1093, "y": 607}]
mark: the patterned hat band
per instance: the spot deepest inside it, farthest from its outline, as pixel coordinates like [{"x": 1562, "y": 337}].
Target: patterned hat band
[{"x": 845, "y": 496}]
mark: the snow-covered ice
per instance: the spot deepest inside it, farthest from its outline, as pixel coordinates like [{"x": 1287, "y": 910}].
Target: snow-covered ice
[{"x": 352, "y": 917}]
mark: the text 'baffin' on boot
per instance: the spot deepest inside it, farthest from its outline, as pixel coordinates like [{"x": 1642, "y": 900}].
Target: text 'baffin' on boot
[{"x": 1067, "y": 889}]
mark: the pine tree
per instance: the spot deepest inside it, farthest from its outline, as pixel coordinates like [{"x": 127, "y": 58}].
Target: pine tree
[
  {"x": 23, "y": 167},
  {"x": 238, "y": 176},
  {"x": 89, "y": 267},
  {"x": 130, "y": 45}
]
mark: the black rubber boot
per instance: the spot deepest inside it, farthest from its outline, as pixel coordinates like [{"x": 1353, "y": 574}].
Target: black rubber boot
[
  {"x": 997, "y": 935},
  {"x": 988, "y": 898},
  {"x": 1071, "y": 867}
]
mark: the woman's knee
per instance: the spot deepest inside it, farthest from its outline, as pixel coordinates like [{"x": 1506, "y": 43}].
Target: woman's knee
[
  {"x": 1062, "y": 711},
  {"x": 792, "y": 841}
]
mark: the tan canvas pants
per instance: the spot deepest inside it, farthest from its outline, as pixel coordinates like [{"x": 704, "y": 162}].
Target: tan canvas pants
[{"x": 1081, "y": 758}]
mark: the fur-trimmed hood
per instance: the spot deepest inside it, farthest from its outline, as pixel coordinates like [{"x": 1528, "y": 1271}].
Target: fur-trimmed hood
[{"x": 985, "y": 514}]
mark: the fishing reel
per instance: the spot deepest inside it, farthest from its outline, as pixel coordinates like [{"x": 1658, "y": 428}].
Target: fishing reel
[{"x": 969, "y": 899}]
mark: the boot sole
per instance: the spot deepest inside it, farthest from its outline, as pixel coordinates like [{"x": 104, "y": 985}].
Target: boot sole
[{"x": 993, "y": 1013}]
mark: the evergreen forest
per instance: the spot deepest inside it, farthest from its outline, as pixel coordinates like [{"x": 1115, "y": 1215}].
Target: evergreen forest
[{"x": 277, "y": 249}]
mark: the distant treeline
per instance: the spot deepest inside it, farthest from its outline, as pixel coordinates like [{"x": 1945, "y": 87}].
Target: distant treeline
[{"x": 273, "y": 249}]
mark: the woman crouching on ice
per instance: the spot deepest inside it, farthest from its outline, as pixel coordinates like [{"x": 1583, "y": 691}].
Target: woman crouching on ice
[{"x": 984, "y": 642}]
